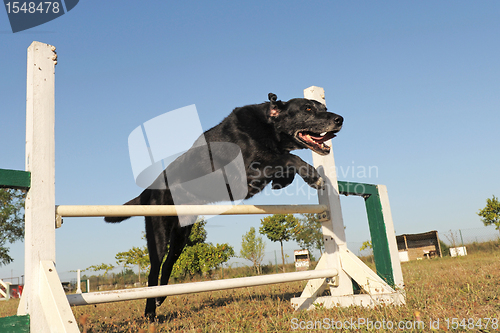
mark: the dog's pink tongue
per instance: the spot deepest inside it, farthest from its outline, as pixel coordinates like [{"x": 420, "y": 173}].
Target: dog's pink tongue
[{"x": 321, "y": 139}]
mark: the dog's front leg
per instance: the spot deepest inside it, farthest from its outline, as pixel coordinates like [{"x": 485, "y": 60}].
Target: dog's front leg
[
  {"x": 282, "y": 181},
  {"x": 295, "y": 165}
]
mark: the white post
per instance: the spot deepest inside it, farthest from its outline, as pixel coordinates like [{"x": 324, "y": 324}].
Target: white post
[
  {"x": 39, "y": 237},
  {"x": 40, "y": 201},
  {"x": 78, "y": 282},
  {"x": 333, "y": 229}
]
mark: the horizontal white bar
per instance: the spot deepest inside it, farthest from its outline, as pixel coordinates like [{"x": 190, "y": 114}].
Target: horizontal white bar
[
  {"x": 171, "y": 210},
  {"x": 195, "y": 287}
]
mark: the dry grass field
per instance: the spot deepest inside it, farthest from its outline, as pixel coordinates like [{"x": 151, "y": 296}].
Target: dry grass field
[{"x": 447, "y": 294}]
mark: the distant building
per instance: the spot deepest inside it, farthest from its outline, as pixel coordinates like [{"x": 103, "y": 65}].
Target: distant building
[
  {"x": 302, "y": 260},
  {"x": 418, "y": 246}
]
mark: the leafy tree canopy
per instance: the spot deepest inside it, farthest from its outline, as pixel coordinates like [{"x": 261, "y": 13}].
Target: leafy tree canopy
[
  {"x": 198, "y": 233},
  {"x": 490, "y": 215},
  {"x": 252, "y": 248},
  {"x": 309, "y": 235},
  {"x": 11, "y": 220},
  {"x": 199, "y": 257},
  {"x": 280, "y": 228},
  {"x": 134, "y": 256},
  {"x": 366, "y": 245},
  {"x": 102, "y": 267}
]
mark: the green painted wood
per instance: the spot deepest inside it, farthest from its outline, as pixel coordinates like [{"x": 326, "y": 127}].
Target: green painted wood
[
  {"x": 378, "y": 233},
  {"x": 360, "y": 189},
  {"x": 15, "y": 324},
  {"x": 15, "y": 179}
]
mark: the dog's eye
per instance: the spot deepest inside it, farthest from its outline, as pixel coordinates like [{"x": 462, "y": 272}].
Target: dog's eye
[{"x": 308, "y": 109}]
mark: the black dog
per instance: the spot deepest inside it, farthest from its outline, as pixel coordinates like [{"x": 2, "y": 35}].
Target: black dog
[{"x": 263, "y": 136}]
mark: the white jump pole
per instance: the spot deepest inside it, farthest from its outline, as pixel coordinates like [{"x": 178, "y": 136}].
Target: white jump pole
[
  {"x": 166, "y": 210},
  {"x": 195, "y": 287}
]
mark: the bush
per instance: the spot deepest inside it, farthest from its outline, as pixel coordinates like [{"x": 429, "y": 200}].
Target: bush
[
  {"x": 445, "y": 249},
  {"x": 201, "y": 258}
]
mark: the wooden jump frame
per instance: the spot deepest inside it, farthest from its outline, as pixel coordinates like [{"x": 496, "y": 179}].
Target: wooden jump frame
[{"x": 48, "y": 306}]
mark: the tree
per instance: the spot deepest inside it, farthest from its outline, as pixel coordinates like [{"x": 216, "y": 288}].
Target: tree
[
  {"x": 11, "y": 220},
  {"x": 134, "y": 256},
  {"x": 252, "y": 248},
  {"x": 279, "y": 228},
  {"x": 309, "y": 235},
  {"x": 366, "y": 245},
  {"x": 198, "y": 233},
  {"x": 102, "y": 267},
  {"x": 490, "y": 215},
  {"x": 199, "y": 257}
]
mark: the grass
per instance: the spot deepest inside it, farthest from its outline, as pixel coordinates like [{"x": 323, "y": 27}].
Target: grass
[{"x": 464, "y": 288}]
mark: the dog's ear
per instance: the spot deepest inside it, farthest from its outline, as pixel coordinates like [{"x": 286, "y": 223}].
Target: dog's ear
[
  {"x": 272, "y": 97},
  {"x": 274, "y": 111}
]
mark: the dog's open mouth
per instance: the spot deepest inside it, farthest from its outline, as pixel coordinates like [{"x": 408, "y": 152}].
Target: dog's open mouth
[{"x": 315, "y": 141}]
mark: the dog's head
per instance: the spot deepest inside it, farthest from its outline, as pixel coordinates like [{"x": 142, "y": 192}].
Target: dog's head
[{"x": 306, "y": 121}]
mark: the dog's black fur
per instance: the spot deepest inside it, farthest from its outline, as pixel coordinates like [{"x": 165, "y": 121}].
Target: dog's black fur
[{"x": 265, "y": 133}]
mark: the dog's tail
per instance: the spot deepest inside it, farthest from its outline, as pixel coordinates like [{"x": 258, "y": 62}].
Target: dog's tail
[{"x": 116, "y": 219}]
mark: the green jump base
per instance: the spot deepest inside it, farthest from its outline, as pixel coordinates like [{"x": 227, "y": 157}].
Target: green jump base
[{"x": 15, "y": 324}]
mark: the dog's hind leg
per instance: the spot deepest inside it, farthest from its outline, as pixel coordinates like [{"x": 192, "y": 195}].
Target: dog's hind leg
[
  {"x": 179, "y": 237},
  {"x": 156, "y": 236}
]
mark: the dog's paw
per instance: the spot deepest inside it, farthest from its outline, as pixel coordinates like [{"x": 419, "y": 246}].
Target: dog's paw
[
  {"x": 314, "y": 180},
  {"x": 319, "y": 184}
]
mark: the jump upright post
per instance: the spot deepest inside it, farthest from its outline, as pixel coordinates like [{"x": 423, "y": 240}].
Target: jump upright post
[
  {"x": 49, "y": 308},
  {"x": 43, "y": 297}
]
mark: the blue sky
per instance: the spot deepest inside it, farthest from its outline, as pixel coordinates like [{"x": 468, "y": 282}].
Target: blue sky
[{"x": 418, "y": 83}]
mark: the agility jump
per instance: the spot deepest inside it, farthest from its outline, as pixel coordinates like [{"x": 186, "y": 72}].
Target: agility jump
[{"x": 44, "y": 298}]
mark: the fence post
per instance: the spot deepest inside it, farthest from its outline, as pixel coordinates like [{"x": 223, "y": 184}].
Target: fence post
[{"x": 78, "y": 282}]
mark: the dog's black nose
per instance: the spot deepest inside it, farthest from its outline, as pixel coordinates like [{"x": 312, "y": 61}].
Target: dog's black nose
[{"x": 339, "y": 120}]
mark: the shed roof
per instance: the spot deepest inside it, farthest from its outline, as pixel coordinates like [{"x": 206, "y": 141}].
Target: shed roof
[{"x": 425, "y": 235}]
